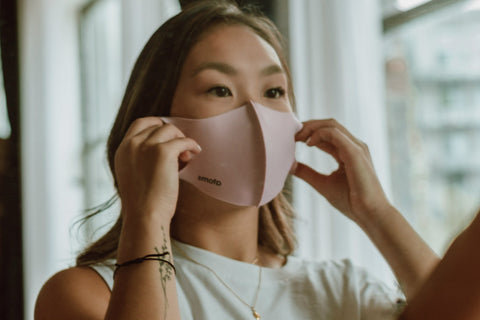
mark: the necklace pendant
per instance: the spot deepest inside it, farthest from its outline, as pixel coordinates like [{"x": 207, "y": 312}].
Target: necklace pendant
[{"x": 255, "y": 314}]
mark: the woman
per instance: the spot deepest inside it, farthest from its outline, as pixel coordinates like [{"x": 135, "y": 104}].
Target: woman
[{"x": 215, "y": 74}]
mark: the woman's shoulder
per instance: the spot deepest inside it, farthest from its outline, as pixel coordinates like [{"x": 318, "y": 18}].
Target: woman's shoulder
[{"x": 74, "y": 293}]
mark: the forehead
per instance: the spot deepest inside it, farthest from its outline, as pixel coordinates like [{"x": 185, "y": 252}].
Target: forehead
[{"x": 234, "y": 44}]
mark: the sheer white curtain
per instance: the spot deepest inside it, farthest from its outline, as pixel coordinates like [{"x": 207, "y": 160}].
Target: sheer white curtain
[
  {"x": 337, "y": 69},
  {"x": 4, "y": 122},
  {"x": 50, "y": 132},
  {"x": 51, "y": 125},
  {"x": 105, "y": 84},
  {"x": 140, "y": 20}
]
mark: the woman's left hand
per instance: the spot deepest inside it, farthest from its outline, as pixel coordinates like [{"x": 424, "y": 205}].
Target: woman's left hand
[{"x": 354, "y": 188}]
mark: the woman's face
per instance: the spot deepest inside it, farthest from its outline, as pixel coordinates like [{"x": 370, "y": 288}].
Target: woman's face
[{"x": 227, "y": 68}]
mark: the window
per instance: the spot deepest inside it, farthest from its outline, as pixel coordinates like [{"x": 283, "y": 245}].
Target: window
[
  {"x": 101, "y": 93},
  {"x": 4, "y": 123},
  {"x": 433, "y": 100},
  {"x": 113, "y": 32}
]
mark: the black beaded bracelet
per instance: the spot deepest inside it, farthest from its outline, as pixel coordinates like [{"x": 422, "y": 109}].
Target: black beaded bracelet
[{"x": 155, "y": 257}]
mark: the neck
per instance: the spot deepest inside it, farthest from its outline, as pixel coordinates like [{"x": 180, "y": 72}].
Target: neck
[{"x": 216, "y": 226}]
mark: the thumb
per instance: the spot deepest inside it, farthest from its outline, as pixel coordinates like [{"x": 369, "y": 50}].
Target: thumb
[{"x": 315, "y": 179}]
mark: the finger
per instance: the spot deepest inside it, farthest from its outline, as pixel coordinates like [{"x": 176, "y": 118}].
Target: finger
[
  {"x": 304, "y": 133},
  {"x": 352, "y": 158},
  {"x": 336, "y": 143},
  {"x": 327, "y": 147},
  {"x": 312, "y": 125},
  {"x": 312, "y": 177},
  {"x": 142, "y": 124},
  {"x": 186, "y": 156},
  {"x": 183, "y": 148},
  {"x": 156, "y": 134},
  {"x": 159, "y": 134}
]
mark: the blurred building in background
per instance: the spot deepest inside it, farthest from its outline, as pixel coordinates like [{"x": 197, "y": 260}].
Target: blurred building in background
[{"x": 433, "y": 107}]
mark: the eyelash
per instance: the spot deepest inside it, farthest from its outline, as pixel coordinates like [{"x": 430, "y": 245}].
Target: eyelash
[
  {"x": 215, "y": 91},
  {"x": 279, "y": 92}
]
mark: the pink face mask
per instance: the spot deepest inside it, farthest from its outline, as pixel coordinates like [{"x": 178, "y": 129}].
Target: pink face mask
[{"x": 247, "y": 153}]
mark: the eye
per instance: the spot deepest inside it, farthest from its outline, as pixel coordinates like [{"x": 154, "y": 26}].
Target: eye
[
  {"x": 274, "y": 93},
  {"x": 220, "y": 91}
]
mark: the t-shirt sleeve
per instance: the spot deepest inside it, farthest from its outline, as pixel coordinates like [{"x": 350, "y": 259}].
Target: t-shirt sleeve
[{"x": 377, "y": 301}]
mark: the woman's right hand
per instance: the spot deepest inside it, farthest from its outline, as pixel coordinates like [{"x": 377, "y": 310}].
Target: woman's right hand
[{"x": 146, "y": 167}]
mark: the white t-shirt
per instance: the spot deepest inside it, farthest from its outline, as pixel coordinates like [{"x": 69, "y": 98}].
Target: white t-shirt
[{"x": 299, "y": 290}]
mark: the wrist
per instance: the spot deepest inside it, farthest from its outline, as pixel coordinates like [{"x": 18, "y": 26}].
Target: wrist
[
  {"x": 377, "y": 218},
  {"x": 138, "y": 239},
  {"x": 146, "y": 217},
  {"x": 141, "y": 232}
]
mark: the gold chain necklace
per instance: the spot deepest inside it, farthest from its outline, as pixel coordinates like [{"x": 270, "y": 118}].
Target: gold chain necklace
[{"x": 255, "y": 314}]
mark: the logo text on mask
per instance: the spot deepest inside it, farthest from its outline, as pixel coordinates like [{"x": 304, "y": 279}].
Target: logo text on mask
[{"x": 211, "y": 181}]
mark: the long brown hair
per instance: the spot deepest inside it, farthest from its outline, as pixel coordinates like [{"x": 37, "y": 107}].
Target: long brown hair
[{"x": 150, "y": 92}]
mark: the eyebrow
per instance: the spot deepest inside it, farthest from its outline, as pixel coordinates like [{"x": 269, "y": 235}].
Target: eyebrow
[
  {"x": 270, "y": 70},
  {"x": 218, "y": 66},
  {"x": 229, "y": 70}
]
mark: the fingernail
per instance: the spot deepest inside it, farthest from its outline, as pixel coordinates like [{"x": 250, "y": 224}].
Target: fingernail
[
  {"x": 308, "y": 140},
  {"x": 199, "y": 148}
]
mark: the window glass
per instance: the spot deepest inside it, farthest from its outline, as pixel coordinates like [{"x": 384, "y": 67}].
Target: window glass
[
  {"x": 4, "y": 123},
  {"x": 433, "y": 100},
  {"x": 101, "y": 94}
]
